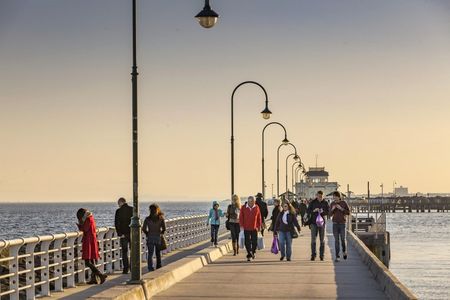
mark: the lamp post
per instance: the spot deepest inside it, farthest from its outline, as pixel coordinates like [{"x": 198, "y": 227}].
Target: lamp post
[
  {"x": 135, "y": 224},
  {"x": 292, "y": 172},
  {"x": 296, "y": 157},
  {"x": 284, "y": 142},
  {"x": 265, "y": 114},
  {"x": 278, "y": 165}
]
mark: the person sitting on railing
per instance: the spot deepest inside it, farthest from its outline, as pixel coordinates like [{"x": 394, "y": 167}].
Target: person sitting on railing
[
  {"x": 215, "y": 213},
  {"x": 86, "y": 224},
  {"x": 339, "y": 212},
  {"x": 154, "y": 228}
]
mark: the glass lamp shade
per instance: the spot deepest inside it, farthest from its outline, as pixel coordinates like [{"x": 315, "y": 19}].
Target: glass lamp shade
[
  {"x": 207, "y": 22},
  {"x": 285, "y": 141},
  {"x": 266, "y": 113},
  {"x": 296, "y": 157}
]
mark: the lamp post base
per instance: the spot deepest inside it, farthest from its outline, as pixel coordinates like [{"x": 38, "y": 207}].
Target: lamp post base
[{"x": 135, "y": 253}]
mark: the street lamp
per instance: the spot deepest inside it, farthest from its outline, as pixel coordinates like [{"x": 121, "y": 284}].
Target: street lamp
[
  {"x": 278, "y": 165},
  {"x": 207, "y": 18},
  {"x": 265, "y": 114},
  {"x": 284, "y": 142},
  {"x": 135, "y": 224},
  {"x": 296, "y": 157},
  {"x": 292, "y": 173}
]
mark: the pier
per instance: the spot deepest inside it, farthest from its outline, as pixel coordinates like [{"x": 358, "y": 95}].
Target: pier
[
  {"x": 401, "y": 204},
  {"x": 50, "y": 267}
]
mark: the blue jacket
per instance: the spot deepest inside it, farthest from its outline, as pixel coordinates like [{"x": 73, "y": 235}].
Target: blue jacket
[{"x": 212, "y": 216}]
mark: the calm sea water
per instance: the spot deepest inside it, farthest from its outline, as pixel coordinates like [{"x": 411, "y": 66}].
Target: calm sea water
[
  {"x": 420, "y": 252},
  {"x": 420, "y": 243}
]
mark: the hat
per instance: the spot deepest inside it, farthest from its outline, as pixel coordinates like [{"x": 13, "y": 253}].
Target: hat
[
  {"x": 215, "y": 203},
  {"x": 259, "y": 195}
]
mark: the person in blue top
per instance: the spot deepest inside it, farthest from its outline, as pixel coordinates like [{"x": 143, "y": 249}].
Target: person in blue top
[{"x": 215, "y": 213}]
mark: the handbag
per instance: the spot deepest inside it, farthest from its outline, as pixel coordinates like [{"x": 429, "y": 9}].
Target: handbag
[
  {"x": 294, "y": 233},
  {"x": 241, "y": 240},
  {"x": 319, "y": 220},
  {"x": 163, "y": 242},
  {"x": 227, "y": 224},
  {"x": 275, "y": 248},
  {"x": 261, "y": 245}
]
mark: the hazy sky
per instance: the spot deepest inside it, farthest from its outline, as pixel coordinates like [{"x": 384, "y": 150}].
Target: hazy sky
[{"x": 362, "y": 84}]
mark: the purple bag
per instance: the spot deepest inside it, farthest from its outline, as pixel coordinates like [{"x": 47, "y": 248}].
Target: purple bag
[
  {"x": 319, "y": 220},
  {"x": 275, "y": 247}
]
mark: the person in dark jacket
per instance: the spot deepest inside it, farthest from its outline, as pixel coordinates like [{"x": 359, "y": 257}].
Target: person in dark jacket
[
  {"x": 302, "y": 207},
  {"x": 275, "y": 211},
  {"x": 233, "y": 212},
  {"x": 316, "y": 207},
  {"x": 263, "y": 209},
  {"x": 89, "y": 249},
  {"x": 339, "y": 212},
  {"x": 122, "y": 222},
  {"x": 286, "y": 221},
  {"x": 154, "y": 227}
]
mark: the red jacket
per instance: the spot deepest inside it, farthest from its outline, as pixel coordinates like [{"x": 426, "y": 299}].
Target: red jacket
[
  {"x": 250, "y": 218},
  {"x": 89, "y": 242}
]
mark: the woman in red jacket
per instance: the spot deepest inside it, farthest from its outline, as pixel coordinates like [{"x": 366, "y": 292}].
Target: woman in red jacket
[{"x": 86, "y": 224}]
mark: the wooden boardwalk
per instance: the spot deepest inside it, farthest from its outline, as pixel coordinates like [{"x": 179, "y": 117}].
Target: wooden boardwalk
[{"x": 268, "y": 278}]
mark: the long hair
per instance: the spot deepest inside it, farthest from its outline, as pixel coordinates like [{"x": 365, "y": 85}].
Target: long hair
[
  {"x": 291, "y": 208},
  {"x": 155, "y": 213},
  {"x": 236, "y": 201},
  {"x": 80, "y": 214}
]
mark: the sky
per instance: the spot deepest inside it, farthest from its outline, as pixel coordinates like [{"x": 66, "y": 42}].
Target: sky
[{"x": 364, "y": 85}]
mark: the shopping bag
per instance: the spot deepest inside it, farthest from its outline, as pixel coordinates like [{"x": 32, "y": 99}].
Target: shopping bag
[
  {"x": 275, "y": 247},
  {"x": 260, "y": 243},
  {"x": 241, "y": 240},
  {"x": 319, "y": 220}
]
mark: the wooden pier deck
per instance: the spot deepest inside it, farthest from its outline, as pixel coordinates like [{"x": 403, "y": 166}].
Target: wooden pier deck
[{"x": 268, "y": 278}]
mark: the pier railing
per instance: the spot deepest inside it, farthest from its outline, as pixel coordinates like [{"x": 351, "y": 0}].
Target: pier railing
[{"x": 36, "y": 266}]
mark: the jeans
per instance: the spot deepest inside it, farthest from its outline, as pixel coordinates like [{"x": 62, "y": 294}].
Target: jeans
[
  {"x": 234, "y": 229},
  {"x": 153, "y": 246},
  {"x": 285, "y": 239},
  {"x": 251, "y": 241},
  {"x": 339, "y": 234},
  {"x": 314, "y": 231},
  {"x": 124, "y": 244},
  {"x": 214, "y": 233}
]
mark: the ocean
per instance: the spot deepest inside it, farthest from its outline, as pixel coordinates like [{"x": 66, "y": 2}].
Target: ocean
[{"x": 420, "y": 243}]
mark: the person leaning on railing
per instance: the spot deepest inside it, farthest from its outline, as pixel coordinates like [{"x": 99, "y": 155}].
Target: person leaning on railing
[
  {"x": 86, "y": 224},
  {"x": 154, "y": 228}
]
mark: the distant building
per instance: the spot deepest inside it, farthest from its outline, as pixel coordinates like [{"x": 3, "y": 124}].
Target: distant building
[
  {"x": 401, "y": 191},
  {"x": 316, "y": 179}
]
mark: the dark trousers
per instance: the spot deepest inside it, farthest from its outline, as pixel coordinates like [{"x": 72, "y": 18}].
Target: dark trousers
[
  {"x": 251, "y": 241},
  {"x": 234, "y": 229},
  {"x": 314, "y": 231},
  {"x": 124, "y": 244},
  {"x": 339, "y": 234},
  {"x": 154, "y": 247},
  {"x": 214, "y": 233},
  {"x": 90, "y": 263}
]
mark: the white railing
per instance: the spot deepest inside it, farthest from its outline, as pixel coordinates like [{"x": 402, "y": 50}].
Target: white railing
[{"x": 36, "y": 266}]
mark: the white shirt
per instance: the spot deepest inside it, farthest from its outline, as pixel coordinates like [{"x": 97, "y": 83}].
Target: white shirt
[{"x": 284, "y": 218}]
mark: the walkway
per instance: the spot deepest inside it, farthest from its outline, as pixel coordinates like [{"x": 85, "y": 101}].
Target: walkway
[{"x": 268, "y": 278}]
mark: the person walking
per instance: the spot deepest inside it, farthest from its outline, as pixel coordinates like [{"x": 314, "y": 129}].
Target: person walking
[
  {"x": 215, "y": 213},
  {"x": 302, "y": 209},
  {"x": 284, "y": 226},
  {"x": 316, "y": 207},
  {"x": 233, "y": 212},
  {"x": 275, "y": 211},
  {"x": 263, "y": 210},
  {"x": 154, "y": 228},
  {"x": 339, "y": 211},
  {"x": 122, "y": 222},
  {"x": 250, "y": 223},
  {"x": 89, "y": 249}
]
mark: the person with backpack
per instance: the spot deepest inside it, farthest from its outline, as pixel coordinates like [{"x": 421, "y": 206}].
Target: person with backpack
[
  {"x": 215, "y": 213},
  {"x": 89, "y": 245},
  {"x": 122, "y": 222},
  {"x": 318, "y": 207},
  {"x": 154, "y": 227},
  {"x": 263, "y": 209},
  {"x": 285, "y": 229},
  {"x": 339, "y": 212},
  {"x": 233, "y": 211}
]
